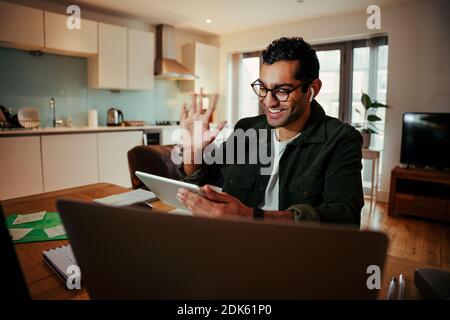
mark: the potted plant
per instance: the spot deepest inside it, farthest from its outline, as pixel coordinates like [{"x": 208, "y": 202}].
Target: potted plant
[{"x": 368, "y": 126}]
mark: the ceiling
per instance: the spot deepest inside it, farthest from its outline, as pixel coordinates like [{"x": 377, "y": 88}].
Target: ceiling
[{"x": 227, "y": 15}]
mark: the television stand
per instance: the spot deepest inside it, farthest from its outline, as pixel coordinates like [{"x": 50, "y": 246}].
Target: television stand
[{"x": 420, "y": 192}]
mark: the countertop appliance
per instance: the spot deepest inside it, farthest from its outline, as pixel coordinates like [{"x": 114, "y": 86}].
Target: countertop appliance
[
  {"x": 152, "y": 136},
  {"x": 166, "y": 67},
  {"x": 167, "y": 123},
  {"x": 114, "y": 117}
]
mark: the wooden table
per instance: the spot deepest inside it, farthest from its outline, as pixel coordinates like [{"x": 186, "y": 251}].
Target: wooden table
[
  {"x": 44, "y": 284},
  {"x": 373, "y": 155}
]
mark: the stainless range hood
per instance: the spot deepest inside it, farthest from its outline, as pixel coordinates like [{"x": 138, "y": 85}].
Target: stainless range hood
[{"x": 166, "y": 67}]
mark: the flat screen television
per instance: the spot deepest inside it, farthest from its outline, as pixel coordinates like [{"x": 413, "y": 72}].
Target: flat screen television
[{"x": 426, "y": 140}]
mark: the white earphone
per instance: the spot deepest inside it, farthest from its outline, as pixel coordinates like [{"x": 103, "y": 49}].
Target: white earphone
[{"x": 311, "y": 97}]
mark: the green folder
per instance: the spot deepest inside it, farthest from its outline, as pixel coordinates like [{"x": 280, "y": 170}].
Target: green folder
[{"x": 51, "y": 219}]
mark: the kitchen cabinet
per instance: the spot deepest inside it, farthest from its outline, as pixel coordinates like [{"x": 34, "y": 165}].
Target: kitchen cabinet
[
  {"x": 59, "y": 38},
  {"x": 108, "y": 70},
  {"x": 49, "y": 162},
  {"x": 141, "y": 59},
  {"x": 21, "y": 167},
  {"x": 21, "y": 27},
  {"x": 203, "y": 60},
  {"x": 69, "y": 160},
  {"x": 171, "y": 135},
  {"x": 118, "y": 57},
  {"x": 112, "y": 156}
]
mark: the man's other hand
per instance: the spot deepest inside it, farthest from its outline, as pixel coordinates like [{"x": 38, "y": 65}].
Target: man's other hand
[{"x": 213, "y": 204}]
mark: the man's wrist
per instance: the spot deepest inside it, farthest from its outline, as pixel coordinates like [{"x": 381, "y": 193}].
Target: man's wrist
[
  {"x": 277, "y": 215},
  {"x": 258, "y": 213}
]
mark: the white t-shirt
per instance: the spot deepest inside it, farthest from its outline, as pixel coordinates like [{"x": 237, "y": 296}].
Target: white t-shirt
[{"x": 273, "y": 187}]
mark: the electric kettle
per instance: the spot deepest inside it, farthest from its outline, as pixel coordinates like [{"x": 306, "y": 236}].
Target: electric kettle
[{"x": 114, "y": 117}]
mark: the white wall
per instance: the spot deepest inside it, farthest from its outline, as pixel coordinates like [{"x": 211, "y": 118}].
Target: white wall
[{"x": 418, "y": 74}]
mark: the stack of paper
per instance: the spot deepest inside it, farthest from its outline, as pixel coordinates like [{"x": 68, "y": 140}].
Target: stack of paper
[
  {"x": 128, "y": 198},
  {"x": 19, "y": 233},
  {"x": 25, "y": 218},
  {"x": 37, "y": 226}
]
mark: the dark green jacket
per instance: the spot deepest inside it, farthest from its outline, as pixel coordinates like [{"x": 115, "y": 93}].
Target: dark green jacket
[{"x": 319, "y": 172}]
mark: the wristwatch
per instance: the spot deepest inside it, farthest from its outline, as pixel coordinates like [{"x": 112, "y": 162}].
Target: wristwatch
[{"x": 258, "y": 213}]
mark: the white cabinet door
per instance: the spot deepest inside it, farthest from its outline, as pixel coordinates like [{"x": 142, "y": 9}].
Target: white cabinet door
[
  {"x": 141, "y": 59},
  {"x": 21, "y": 165},
  {"x": 109, "y": 69},
  {"x": 171, "y": 135},
  {"x": 69, "y": 160},
  {"x": 203, "y": 60},
  {"x": 112, "y": 156},
  {"x": 207, "y": 68},
  {"x": 58, "y": 37},
  {"x": 20, "y": 26}
]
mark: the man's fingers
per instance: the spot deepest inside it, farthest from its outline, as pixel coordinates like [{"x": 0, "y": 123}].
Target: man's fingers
[
  {"x": 194, "y": 202},
  {"x": 186, "y": 196},
  {"x": 219, "y": 128},
  {"x": 212, "y": 106},
  {"x": 214, "y": 100},
  {"x": 193, "y": 103},
  {"x": 214, "y": 195},
  {"x": 200, "y": 103},
  {"x": 184, "y": 112}
]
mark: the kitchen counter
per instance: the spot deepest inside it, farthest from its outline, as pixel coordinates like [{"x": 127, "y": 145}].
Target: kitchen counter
[{"x": 66, "y": 130}]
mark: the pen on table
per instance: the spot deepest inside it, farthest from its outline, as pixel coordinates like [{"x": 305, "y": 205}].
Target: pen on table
[
  {"x": 401, "y": 287},
  {"x": 391, "y": 290}
]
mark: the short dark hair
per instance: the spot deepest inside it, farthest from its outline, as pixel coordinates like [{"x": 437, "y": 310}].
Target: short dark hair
[{"x": 294, "y": 49}]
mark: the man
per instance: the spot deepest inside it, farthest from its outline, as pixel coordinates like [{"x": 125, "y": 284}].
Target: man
[{"x": 315, "y": 172}]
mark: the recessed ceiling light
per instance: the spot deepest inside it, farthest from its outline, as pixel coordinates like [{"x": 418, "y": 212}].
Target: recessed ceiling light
[{"x": 208, "y": 21}]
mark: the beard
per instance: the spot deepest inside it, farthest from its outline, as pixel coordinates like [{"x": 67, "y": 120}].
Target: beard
[{"x": 285, "y": 117}]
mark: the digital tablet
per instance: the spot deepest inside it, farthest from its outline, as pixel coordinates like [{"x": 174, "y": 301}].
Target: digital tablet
[{"x": 166, "y": 189}]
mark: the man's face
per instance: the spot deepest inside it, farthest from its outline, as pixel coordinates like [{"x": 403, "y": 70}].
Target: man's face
[{"x": 281, "y": 74}]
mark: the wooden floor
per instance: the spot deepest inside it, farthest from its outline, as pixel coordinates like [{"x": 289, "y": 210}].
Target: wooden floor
[{"x": 415, "y": 239}]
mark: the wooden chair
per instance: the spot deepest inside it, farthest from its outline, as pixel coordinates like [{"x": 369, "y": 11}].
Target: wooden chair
[{"x": 153, "y": 159}]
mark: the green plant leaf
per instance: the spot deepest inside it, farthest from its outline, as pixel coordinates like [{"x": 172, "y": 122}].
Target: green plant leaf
[
  {"x": 372, "y": 118},
  {"x": 378, "y": 105},
  {"x": 365, "y": 100},
  {"x": 369, "y": 130},
  {"x": 357, "y": 110}
]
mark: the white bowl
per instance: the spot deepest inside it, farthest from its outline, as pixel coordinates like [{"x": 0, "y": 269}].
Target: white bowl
[{"x": 28, "y": 117}]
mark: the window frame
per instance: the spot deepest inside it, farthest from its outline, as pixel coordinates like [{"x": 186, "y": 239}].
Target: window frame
[{"x": 346, "y": 69}]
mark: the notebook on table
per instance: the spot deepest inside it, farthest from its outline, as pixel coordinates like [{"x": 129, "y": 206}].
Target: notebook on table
[
  {"x": 60, "y": 259},
  {"x": 127, "y": 198}
]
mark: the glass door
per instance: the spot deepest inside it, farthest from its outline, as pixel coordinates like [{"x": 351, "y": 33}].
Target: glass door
[
  {"x": 330, "y": 74},
  {"x": 249, "y": 72}
]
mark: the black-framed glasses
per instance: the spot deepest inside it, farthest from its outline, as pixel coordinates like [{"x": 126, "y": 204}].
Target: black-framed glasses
[{"x": 281, "y": 94}]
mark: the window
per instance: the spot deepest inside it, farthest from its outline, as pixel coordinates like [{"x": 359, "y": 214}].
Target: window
[
  {"x": 362, "y": 67},
  {"x": 369, "y": 75},
  {"x": 248, "y": 72},
  {"x": 347, "y": 69},
  {"x": 330, "y": 70}
]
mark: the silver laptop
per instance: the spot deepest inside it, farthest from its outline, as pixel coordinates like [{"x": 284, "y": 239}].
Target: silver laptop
[{"x": 127, "y": 253}]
